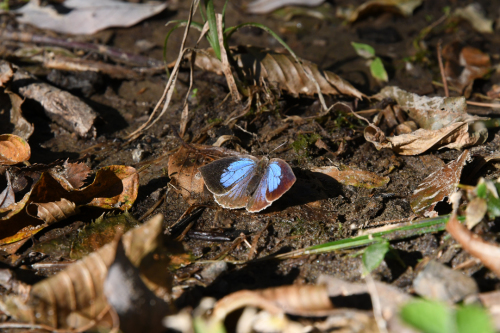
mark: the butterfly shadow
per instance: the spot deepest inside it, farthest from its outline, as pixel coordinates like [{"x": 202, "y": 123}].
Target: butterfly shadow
[{"x": 309, "y": 187}]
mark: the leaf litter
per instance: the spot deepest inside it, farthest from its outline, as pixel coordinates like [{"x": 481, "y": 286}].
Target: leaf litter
[{"x": 326, "y": 203}]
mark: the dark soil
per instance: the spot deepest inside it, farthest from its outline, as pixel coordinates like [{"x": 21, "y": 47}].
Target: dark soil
[{"x": 313, "y": 211}]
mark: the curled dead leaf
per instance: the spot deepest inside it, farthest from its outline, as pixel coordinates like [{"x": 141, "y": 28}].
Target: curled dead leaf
[
  {"x": 13, "y": 149},
  {"x": 52, "y": 212},
  {"x": 21, "y": 127},
  {"x": 281, "y": 71}
]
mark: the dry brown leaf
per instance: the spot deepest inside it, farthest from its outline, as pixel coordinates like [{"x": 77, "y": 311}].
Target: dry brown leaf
[
  {"x": 281, "y": 71},
  {"x": 437, "y": 186},
  {"x": 475, "y": 211},
  {"x": 184, "y": 120},
  {"x": 52, "y": 212},
  {"x": 78, "y": 290},
  {"x": 183, "y": 170},
  {"x": 464, "y": 65},
  {"x": 349, "y": 176},
  {"x": 71, "y": 176},
  {"x": 22, "y": 127},
  {"x": 13, "y": 149}
]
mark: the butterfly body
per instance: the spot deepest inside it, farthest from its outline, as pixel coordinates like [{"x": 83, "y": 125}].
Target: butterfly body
[{"x": 246, "y": 181}]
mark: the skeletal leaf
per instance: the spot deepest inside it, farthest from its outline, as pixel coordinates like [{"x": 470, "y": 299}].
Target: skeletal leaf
[
  {"x": 349, "y": 176},
  {"x": 281, "y": 71},
  {"x": 454, "y": 136},
  {"x": 78, "y": 290},
  {"x": 13, "y": 149},
  {"x": 431, "y": 113},
  {"x": 437, "y": 186},
  {"x": 52, "y": 212}
]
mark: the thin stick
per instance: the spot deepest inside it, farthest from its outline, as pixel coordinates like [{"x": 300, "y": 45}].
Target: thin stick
[
  {"x": 226, "y": 68},
  {"x": 485, "y": 105},
  {"x": 114, "y": 53},
  {"x": 167, "y": 93},
  {"x": 441, "y": 69}
]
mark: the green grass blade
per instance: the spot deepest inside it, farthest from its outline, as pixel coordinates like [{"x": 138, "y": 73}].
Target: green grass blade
[
  {"x": 224, "y": 13},
  {"x": 212, "y": 31},
  {"x": 406, "y": 231}
]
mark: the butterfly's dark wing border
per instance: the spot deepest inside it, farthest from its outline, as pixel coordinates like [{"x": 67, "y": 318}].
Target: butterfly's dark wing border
[
  {"x": 222, "y": 175},
  {"x": 277, "y": 179}
]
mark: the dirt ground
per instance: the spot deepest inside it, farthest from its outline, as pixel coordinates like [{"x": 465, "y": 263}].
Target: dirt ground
[{"x": 314, "y": 211}]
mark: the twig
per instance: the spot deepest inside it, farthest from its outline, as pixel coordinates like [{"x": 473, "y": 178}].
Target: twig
[
  {"x": 441, "y": 69},
  {"x": 116, "y": 54},
  {"x": 253, "y": 249},
  {"x": 156, "y": 204},
  {"x": 226, "y": 68},
  {"x": 485, "y": 105}
]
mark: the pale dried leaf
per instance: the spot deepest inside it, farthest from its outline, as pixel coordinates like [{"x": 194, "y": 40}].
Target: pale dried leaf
[
  {"x": 267, "y": 6},
  {"x": 475, "y": 211},
  {"x": 281, "y": 71},
  {"x": 7, "y": 196},
  {"x": 431, "y": 113},
  {"x": 474, "y": 14},
  {"x": 184, "y": 120},
  {"x": 454, "y": 136},
  {"x": 437, "y": 186},
  {"x": 349, "y": 176},
  {"x": 87, "y": 16},
  {"x": 6, "y": 74},
  {"x": 402, "y": 7},
  {"x": 13, "y": 149}
]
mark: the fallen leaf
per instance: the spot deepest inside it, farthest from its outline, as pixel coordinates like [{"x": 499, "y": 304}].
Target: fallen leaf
[
  {"x": 13, "y": 149},
  {"x": 267, "y": 6},
  {"x": 71, "y": 176},
  {"x": 86, "y": 16},
  {"x": 77, "y": 292},
  {"x": 7, "y": 197},
  {"x": 437, "y": 186},
  {"x": 475, "y": 211},
  {"x": 401, "y": 7},
  {"x": 183, "y": 170},
  {"x": 464, "y": 65},
  {"x": 349, "y": 176},
  {"x": 454, "y": 136},
  {"x": 137, "y": 307},
  {"x": 431, "y": 113},
  {"x": 475, "y": 15},
  {"x": 52, "y": 212},
  {"x": 281, "y": 71},
  {"x": 21, "y": 127},
  {"x": 6, "y": 74}
]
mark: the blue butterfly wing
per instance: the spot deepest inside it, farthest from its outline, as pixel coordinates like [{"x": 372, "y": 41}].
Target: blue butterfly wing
[
  {"x": 277, "y": 179},
  {"x": 228, "y": 179}
]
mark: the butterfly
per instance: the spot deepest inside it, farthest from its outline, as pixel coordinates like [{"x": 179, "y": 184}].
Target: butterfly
[{"x": 246, "y": 181}]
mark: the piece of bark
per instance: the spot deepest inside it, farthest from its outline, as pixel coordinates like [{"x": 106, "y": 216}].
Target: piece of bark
[{"x": 62, "y": 107}]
